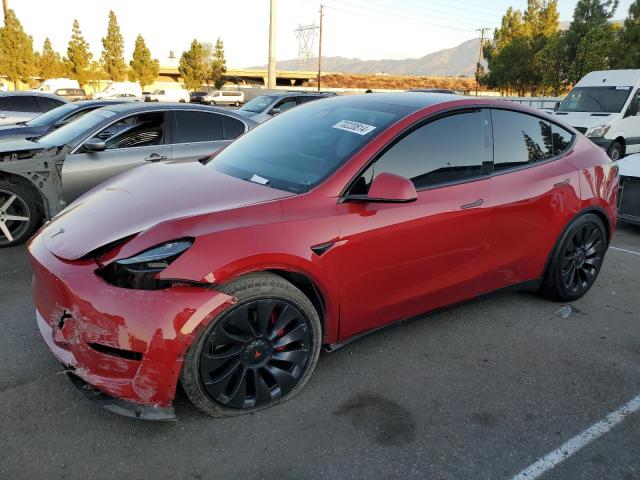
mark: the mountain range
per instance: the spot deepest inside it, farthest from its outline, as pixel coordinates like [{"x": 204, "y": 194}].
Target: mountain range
[{"x": 457, "y": 61}]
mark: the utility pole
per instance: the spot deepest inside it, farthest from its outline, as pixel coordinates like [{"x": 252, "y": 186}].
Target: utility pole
[
  {"x": 481, "y": 30},
  {"x": 320, "y": 48},
  {"x": 5, "y": 6},
  {"x": 271, "y": 80}
]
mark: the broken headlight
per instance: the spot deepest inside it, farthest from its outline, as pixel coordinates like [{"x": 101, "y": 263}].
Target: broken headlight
[{"x": 139, "y": 272}]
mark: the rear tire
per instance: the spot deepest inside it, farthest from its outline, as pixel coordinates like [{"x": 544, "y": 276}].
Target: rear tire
[
  {"x": 616, "y": 150},
  {"x": 19, "y": 213},
  {"x": 577, "y": 260},
  {"x": 256, "y": 354}
]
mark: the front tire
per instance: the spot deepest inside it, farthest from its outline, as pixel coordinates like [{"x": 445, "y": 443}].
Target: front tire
[
  {"x": 616, "y": 150},
  {"x": 256, "y": 354},
  {"x": 19, "y": 213},
  {"x": 577, "y": 259}
]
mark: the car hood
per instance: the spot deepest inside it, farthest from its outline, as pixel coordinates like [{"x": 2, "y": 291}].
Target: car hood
[
  {"x": 585, "y": 119},
  {"x": 19, "y": 149},
  {"x": 18, "y": 132},
  {"x": 146, "y": 197}
]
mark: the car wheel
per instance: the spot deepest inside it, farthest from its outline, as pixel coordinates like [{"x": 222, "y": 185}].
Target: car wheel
[
  {"x": 237, "y": 104},
  {"x": 258, "y": 353},
  {"x": 19, "y": 216},
  {"x": 615, "y": 151},
  {"x": 213, "y": 103},
  {"x": 577, "y": 260}
]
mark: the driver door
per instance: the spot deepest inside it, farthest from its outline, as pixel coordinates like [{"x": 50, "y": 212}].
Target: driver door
[
  {"x": 130, "y": 142},
  {"x": 630, "y": 124}
]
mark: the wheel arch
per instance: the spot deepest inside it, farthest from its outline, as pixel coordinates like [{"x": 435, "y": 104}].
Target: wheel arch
[
  {"x": 594, "y": 209},
  {"x": 23, "y": 181}
]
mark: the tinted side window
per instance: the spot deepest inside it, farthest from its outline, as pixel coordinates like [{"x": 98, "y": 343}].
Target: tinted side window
[
  {"x": 561, "y": 139},
  {"x": 46, "y": 104},
  {"x": 232, "y": 128},
  {"x": 286, "y": 104},
  {"x": 449, "y": 149},
  {"x": 306, "y": 99},
  {"x": 19, "y": 104},
  {"x": 519, "y": 139},
  {"x": 197, "y": 127},
  {"x": 136, "y": 131}
]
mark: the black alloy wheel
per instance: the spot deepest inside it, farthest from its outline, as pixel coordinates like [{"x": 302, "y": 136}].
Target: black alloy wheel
[
  {"x": 582, "y": 258},
  {"x": 255, "y": 354}
]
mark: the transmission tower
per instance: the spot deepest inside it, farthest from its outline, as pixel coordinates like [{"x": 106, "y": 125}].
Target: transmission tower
[{"x": 306, "y": 35}]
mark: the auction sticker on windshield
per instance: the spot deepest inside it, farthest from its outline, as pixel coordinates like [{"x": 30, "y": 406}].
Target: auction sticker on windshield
[{"x": 354, "y": 127}]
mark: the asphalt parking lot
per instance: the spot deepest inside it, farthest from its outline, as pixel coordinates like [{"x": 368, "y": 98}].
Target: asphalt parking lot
[{"x": 478, "y": 392}]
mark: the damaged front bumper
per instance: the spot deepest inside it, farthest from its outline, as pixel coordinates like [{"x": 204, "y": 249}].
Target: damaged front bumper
[{"x": 128, "y": 345}]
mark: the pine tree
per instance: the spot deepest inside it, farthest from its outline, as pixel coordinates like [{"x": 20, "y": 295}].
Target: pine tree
[
  {"x": 218, "y": 65},
  {"x": 195, "y": 65},
  {"x": 78, "y": 56},
  {"x": 50, "y": 62},
  {"x": 144, "y": 69},
  {"x": 17, "y": 59},
  {"x": 113, "y": 51},
  {"x": 630, "y": 39}
]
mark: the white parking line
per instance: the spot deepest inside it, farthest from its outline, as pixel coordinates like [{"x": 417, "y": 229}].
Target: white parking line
[
  {"x": 581, "y": 440},
  {"x": 623, "y": 250}
]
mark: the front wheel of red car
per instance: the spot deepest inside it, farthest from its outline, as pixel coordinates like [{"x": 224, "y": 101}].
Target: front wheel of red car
[
  {"x": 577, "y": 260},
  {"x": 258, "y": 353}
]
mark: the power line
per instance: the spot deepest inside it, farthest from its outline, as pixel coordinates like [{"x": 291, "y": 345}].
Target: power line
[{"x": 456, "y": 14}]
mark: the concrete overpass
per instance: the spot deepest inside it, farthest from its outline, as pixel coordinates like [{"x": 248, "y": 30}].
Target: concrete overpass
[{"x": 248, "y": 76}]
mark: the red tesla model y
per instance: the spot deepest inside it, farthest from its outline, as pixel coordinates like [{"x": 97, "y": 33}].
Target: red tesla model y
[{"x": 327, "y": 222}]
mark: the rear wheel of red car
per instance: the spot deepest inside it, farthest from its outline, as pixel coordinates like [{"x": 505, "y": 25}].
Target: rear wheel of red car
[
  {"x": 257, "y": 354},
  {"x": 577, "y": 261},
  {"x": 19, "y": 216}
]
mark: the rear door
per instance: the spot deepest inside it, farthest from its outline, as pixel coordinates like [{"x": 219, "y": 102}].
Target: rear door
[
  {"x": 533, "y": 194},
  {"x": 630, "y": 124},
  {"x": 131, "y": 141},
  {"x": 198, "y": 133}
]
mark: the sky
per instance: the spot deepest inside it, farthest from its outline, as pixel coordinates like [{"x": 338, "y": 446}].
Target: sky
[{"x": 366, "y": 29}]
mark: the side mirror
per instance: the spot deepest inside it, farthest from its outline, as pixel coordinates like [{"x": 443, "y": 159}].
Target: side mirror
[
  {"x": 388, "y": 188},
  {"x": 95, "y": 145},
  {"x": 275, "y": 111}
]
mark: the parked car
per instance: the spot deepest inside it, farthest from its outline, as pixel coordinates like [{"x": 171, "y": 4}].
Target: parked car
[
  {"x": 114, "y": 89},
  {"x": 329, "y": 221},
  {"x": 605, "y": 106},
  {"x": 263, "y": 107},
  {"x": 22, "y": 106},
  {"x": 224, "y": 97},
  {"x": 72, "y": 94},
  {"x": 127, "y": 97},
  {"x": 197, "y": 97},
  {"x": 39, "y": 177},
  {"x": 49, "y": 121},
  {"x": 168, "y": 95},
  {"x": 629, "y": 196},
  {"x": 50, "y": 85}
]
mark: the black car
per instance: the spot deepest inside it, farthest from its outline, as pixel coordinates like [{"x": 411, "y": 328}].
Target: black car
[
  {"x": 21, "y": 106},
  {"x": 48, "y": 121},
  {"x": 197, "y": 97}
]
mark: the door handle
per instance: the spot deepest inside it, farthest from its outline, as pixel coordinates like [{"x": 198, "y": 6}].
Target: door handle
[
  {"x": 154, "y": 157},
  {"x": 477, "y": 203},
  {"x": 562, "y": 183}
]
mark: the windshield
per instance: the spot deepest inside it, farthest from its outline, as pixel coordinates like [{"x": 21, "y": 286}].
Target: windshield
[
  {"x": 595, "y": 99},
  {"x": 305, "y": 144},
  {"x": 68, "y": 132},
  {"x": 52, "y": 116},
  {"x": 258, "y": 104}
]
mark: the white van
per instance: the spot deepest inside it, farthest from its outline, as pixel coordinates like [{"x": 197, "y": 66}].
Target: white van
[
  {"x": 168, "y": 95},
  {"x": 116, "y": 89},
  {"x": 605, "y": 106},
  {"x": 51, "y": 85},
  {"x": 224, "y": 97}
]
